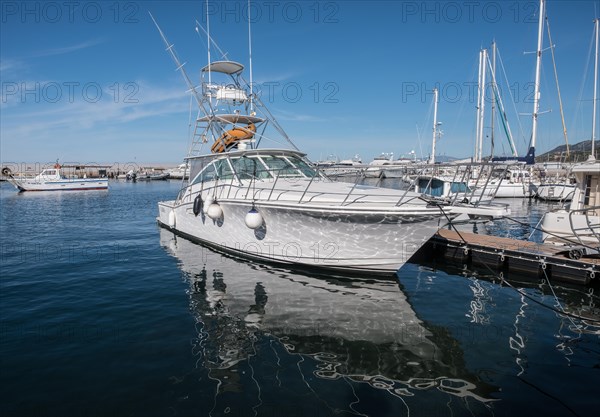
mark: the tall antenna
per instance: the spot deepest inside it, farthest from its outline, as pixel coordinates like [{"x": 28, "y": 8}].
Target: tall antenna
[
  {"x": 208, "y": 42},
  {"x": 593, "y": 155},
  {"x": 250, "y": 59}
]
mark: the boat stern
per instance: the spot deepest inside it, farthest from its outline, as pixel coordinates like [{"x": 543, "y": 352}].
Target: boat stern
[{"x": 166, "y": 213}]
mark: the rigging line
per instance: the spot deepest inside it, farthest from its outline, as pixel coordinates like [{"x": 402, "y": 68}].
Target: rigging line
[
  {"x": 540, "y": 303},
  {"x": 504, "y": 281},
  {"x": 583, "y": 82},
  {"x": 426, "y": 123},
  {"x": 538, "y": 389},
  {"x": 180, "y": 67},
  {"x": 500, "y": 108},
  {"x": 512, "y": 98},
  {"x": 557, "y": 300},
  {"x": 562, "y": 113},
  {"x": 190, "y": 136},
  {"x": 213, "y": 43}
]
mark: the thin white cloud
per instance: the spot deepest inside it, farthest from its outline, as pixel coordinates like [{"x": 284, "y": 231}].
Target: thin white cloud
[
  {"x": 10, "y": 65},
  {"x": 277, "y": 78},
  {"x": 67, "y": 49},
  {"x": 298, "y": 117},
  {"x": 38, "y": 119}
]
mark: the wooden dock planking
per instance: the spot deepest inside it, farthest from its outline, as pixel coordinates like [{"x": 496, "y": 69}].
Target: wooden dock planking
[{"x": 516, "y": 255}]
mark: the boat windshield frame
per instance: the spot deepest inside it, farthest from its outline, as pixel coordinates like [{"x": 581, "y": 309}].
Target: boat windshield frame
[{"x": 251, "y": 165}]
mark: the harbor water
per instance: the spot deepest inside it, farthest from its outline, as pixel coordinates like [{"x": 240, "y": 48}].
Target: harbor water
[{"x": 102, "y": 313}]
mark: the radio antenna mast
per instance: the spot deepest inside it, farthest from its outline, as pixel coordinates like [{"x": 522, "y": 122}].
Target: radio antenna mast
[
  {"x": 250, "y": 59},
  {"x": 208, "y": 42}
]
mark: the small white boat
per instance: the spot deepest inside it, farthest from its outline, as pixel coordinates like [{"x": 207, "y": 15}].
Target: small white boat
[
  {"x": 51, "y": 179},
  {"x": 182, "y": 171},
  {"x": 557, "y": 183},
  {"x": 442, "y": 186},
  {"x": 450, "y": 183},
  {"x": 560, "y": 191},
  {"x": 397, "y": 168},
  {"x": 151, "y": 176},
  {"x": 516, "y": 183},
  {"x": 345, "y": 168}
]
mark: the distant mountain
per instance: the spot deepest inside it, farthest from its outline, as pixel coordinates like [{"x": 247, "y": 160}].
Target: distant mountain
[
  {"x": 578, "y": 152},
  {"x": 444, "y": 159}
]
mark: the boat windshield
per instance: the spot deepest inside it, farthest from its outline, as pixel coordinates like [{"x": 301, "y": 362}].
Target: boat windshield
[
  {"x": 255, "y": 166},
  {"x": 250, "y": 167},
  {"x": 289, "y": 166}
]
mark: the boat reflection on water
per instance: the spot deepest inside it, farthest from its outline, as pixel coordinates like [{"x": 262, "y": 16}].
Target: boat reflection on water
[{"x": 281, "y": 334}]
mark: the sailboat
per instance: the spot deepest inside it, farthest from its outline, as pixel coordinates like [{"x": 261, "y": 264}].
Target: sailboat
[{"x": 517, "y": 181}]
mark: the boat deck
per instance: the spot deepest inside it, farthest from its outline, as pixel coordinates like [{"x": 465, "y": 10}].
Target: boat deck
[{"x": 518, "y": 256}]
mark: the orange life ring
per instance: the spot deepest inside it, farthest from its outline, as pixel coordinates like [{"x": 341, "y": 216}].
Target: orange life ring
[{"x": 228, "y": 138}]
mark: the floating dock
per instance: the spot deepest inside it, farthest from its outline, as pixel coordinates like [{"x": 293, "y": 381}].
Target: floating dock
[{"x": 515, "y": 256}]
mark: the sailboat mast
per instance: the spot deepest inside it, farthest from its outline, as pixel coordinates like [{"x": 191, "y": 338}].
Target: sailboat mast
[
  {"x": 476, "y": 154},
  {"x": 435, "y": 104},
  {"x": 493, "y": 97},
  {"x": 538, "y": 66},
  {"x": 482, "y": 105},
  {"x": 593, "y": 155}
]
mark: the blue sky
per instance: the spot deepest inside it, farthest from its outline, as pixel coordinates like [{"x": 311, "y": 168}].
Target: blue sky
[{"x": 91, "y": 81}]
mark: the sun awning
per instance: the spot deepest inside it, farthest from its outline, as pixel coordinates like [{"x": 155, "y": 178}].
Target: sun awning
[{"x": 226, "y": 67}]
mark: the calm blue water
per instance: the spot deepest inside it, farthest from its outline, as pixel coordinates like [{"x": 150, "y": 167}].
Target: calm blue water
[{"x": 103, "y": 313}]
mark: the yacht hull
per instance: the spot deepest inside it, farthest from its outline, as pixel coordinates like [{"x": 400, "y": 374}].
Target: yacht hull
[
  {"x": 563, "y": 227},
  {"x": 555, "y": 192},
  {"x": 360, "y": 241},
  {"x": 510, "y": 190},
  {"x": 63, "y": 185}
]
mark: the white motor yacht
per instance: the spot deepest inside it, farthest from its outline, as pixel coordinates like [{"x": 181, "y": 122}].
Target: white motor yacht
[
  {"x": 272, "y": 204},
  {"x": 52, "y": 179}
]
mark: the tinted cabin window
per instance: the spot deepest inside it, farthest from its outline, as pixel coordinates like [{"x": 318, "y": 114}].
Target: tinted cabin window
[
  {"x": 434, "y": 188},
  {"x": 208, "y": 174},
  {"x": 303, "y": 166},
  {"x": 223, "y": 169},
  {"x": 280, "y": 166},
  {"x": 459, "y": 187},
  {"x": 247, "y": 168}
]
